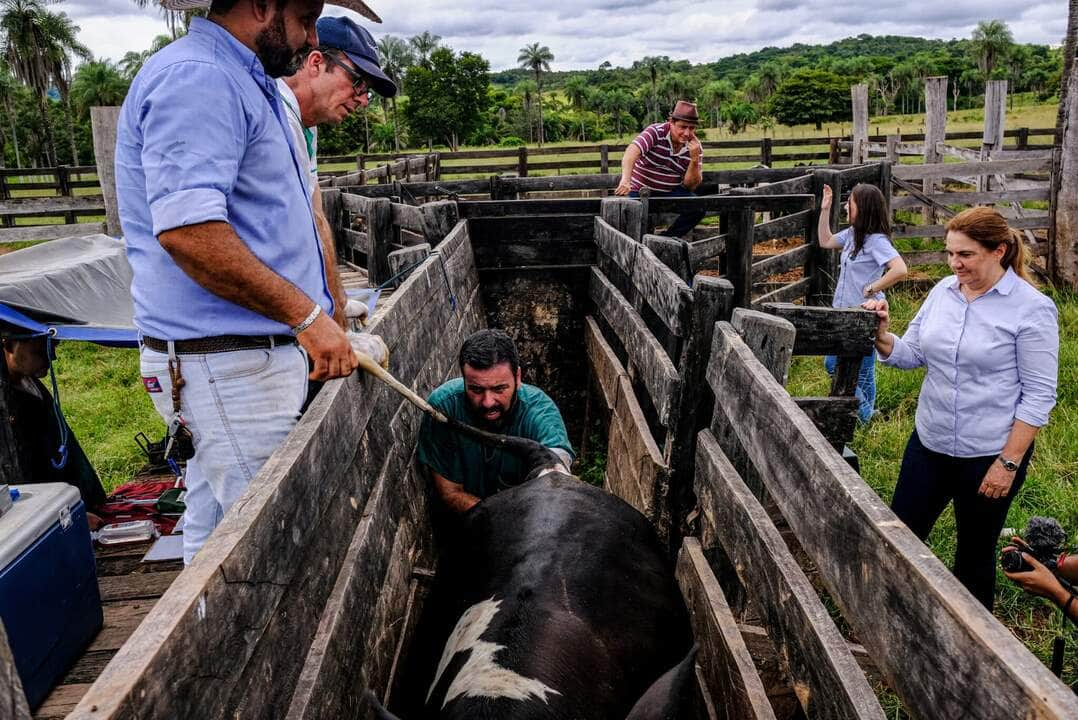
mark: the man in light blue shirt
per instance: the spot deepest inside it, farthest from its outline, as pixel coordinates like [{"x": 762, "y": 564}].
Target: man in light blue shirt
[{"x": 229, "y": 283}]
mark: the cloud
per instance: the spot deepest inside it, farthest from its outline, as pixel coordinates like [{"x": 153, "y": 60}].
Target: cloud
[{"x": 584, "y": 33}]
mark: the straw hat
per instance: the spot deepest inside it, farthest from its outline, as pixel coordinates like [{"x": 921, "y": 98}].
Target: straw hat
[{"x": 357, "y": 5}]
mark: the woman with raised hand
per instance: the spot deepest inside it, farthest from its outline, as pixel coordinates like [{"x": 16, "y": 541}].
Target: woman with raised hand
[
  {"x": 990, "y": 343},
  {"x": 869, "y": 265}
]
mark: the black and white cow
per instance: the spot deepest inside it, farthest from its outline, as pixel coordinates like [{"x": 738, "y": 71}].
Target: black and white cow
[{"x": 555, "y": 600}]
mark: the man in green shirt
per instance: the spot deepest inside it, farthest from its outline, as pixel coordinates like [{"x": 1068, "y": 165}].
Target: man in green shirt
[{"x": 490, "y": 396}]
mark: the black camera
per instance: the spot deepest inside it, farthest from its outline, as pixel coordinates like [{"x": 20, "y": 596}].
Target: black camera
[{"x": 1044, "y": 539}]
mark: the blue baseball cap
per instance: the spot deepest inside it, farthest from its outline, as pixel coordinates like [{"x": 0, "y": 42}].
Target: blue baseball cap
[{"x": 354, "y": 41}]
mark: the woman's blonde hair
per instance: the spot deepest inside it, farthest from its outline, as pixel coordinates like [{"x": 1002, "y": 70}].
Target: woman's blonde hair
[{"x": 989, "y": 229}]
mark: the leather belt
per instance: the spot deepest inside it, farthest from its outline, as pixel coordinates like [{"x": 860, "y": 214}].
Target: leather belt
[{"x": 219, "y": 343}]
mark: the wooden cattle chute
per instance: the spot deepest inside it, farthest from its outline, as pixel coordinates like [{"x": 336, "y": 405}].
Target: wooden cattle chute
[
  {"x": 922, "y": 629},
  {"x": 264, "y": 622}
]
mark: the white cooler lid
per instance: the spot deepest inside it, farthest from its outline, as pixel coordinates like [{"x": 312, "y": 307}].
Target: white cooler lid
[{"x": 39, "y": 507}]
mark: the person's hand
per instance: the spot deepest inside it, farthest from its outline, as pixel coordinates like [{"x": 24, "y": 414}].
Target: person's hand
[
  {"x": 623, "y": 188},
  {"x": 1038, "y": 581},
  {"x": 825, "y": 201},
  {"x": 328, "y": 348},
  {"x": 371, "y": 345},
  {"x": 997, "y": 481},
  {"x": 883, "y": 316},
  {"x": 695, "y": 148},
  {"x": 357, "y": 311}
]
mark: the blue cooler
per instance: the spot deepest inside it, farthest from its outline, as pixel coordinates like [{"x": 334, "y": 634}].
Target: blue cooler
[{"x": 49, "y": 600}]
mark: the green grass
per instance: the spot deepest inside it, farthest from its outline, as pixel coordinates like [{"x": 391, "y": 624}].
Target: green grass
[
  {"x": 103, "y": 399},
  {"x": 1051, "y": 486}
]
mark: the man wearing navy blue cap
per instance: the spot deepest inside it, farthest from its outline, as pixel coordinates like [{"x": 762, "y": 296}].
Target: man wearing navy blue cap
[{"x": 334, "y": 80}]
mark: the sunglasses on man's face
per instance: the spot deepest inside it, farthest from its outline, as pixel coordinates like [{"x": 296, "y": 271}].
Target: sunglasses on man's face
[{"x": 359, "y": 81}]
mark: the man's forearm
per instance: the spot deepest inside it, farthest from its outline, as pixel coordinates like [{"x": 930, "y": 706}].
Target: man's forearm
[
  {"x": 628, "y": 161},
  {"x": 217, "y": 259},
  {"x": 693, "y": 176}
]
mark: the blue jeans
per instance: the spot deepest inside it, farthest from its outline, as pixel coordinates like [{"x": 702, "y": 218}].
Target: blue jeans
[
  {"x": 866, "y": 384},
  {"x": 239, "y": 406},
  {"x": 684, "y": 222}
]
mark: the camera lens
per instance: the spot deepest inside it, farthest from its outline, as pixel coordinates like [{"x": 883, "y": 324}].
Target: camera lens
[{"x": 1012, "y": 561}]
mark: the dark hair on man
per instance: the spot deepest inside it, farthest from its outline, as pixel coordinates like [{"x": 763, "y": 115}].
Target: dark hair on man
[
  {"x": 872, "y": 216},
  {"x": 487, "y": 348}
]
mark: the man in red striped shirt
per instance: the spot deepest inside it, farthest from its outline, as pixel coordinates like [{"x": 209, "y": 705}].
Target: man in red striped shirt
[{"x": 666, "y": 158}]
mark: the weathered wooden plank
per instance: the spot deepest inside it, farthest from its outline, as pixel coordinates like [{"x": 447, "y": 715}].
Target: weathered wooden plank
[
  {"x": 514, "y": 208},
  {"x": 739, "y": 242},
  {"x": 792, "y": 291},
  {"x": 668, "y": 296},
  {"x": 673, "y": 252},
  {"x": 35, "y": 233},
  {"x": 13, "y": 705},
  {"x": 381, "y": 237},
  {"x": 705, "y": 249},
  {"x": 617, "y": 253},
  {"x": 785, "y": 226},
  {"x": 603, "y": 362},
  {"x": 624, "y": 215},
  {"x": 770, "y": 338},
  {"x": 533, "y": 241},
  {"x": 781, "y": 263},
  {"x": 834, "y": 417},
  {"x": 61, "y": 701},
  {"x": 135, "y": 586},
  {"x": 800, "y": 185},
  {"x": 927, "y": 257},
  {"x": 439, "y": 219},
  {"x": 943, "y": 170},
  {"x": 917, "y": 621},
  {"x": 828, "y": 331},
  {"x": 401, "y": 260},
  {"x": 120, "y": 621},
  {"x": 725, "y": 663},
  {"x": 634, "y": 466},
  {"x": 597, "y": 181},
  {"x": 732, "y": 203},
  {"x": 763, "y": 651},
  {"x": 903, "y": 231},
  {"x": 355, "y": 240},
  {"x": 901, "y": 202},
  {"x": 810, "y": 648},
  {"x": 646, "y": 355},
  {"x": 356, "y": 203},
  {"x": 87, "y": 204},
  {"x": 868, "y": 173},
  {"x": 408, "y": 217}
]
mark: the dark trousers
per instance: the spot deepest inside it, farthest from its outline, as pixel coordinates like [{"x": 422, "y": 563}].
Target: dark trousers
[
  {"x": 928, "y": 481},
  {"x": 684, "y": 222}
]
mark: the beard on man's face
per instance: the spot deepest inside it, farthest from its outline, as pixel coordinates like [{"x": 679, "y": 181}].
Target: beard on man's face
[
  {"x": 483, "y": 416},
  {"x": 271, "y": 46}
]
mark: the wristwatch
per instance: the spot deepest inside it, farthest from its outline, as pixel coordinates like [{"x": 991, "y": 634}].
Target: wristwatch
[{"x": 1009, "y": 465}]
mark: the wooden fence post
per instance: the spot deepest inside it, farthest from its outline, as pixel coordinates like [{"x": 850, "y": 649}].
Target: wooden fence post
[
  {"x": 13, "y": 705},
  {"x": 822, "y": 264},
  {"x": 104, "y": 121},
  {"x": 604, "y": 159},
  {"x": 1022, "y": 143},
  {"x": 995, "y": 111},
  {"x": 765, "y": 151},
  {"x": 892, "y": 148},
  {"x": 833, "y": 152},
  {"x": 935, "y": 132},
  {"x": 1063, "y": 235},
  {"x": 859, "y": 98},
  {"x": 624, "y": 215},
  {"x": 739, "y": 244},
  {"x": 522, "y": 161},
  {"x": 379, "y": 240}
]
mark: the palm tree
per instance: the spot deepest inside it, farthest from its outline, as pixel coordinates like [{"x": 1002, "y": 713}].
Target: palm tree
[
  {"x": 98, "y": 83},
  {"x": 653, "y": 65},
  {"x": 37, "y": 46},
  {"x": 576, "y": 90},
  {"x": 9, "y": 87},
  {"x": 62, "y": 43},
  {"x": 537, "y": 58},
  {"x": 178, "y": 21},
  {"x": 396, "y": 55},
  {"x": 133, "y": 61},
  {"x": 992, "y": 40},
  {"x": 716, "y": 94},
  {"x": 423, "y": 45}
]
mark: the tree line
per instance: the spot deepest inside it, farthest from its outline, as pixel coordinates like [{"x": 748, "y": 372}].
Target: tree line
[{"x": 49, "y": 80}]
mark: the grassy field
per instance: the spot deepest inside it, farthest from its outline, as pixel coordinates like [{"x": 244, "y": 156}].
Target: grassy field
[{"x": 1051, "y": 487}]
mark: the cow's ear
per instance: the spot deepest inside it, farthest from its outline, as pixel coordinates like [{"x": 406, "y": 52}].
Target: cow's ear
[
  {"x": 671, "y": 696},
  {"x": 380, "y": 713}
]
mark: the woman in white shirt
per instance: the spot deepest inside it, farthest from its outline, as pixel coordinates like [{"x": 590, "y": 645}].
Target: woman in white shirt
[{"x": 990, "y": 342}]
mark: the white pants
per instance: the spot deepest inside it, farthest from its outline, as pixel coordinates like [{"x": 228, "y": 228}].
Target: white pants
[{"x": 239, "y": 406}]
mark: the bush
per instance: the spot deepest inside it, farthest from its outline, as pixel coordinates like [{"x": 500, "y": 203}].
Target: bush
[{"x": 511, "y": 141}]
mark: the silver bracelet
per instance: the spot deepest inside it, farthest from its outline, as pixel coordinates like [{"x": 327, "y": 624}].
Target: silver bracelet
[{"x": 309, "y": 320}]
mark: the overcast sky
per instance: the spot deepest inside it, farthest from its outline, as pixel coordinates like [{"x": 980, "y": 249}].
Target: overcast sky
[{"x": 584, "y": 33}]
